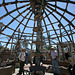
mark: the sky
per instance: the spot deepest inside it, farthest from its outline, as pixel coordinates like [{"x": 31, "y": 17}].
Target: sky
[{"x": 6, "y": 20}]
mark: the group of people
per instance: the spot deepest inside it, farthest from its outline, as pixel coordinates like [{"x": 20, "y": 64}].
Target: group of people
[
  {"x": 23, "y": 59},
  {"x": 70, "y": 60},
  {"x": 23, "y": 56}
]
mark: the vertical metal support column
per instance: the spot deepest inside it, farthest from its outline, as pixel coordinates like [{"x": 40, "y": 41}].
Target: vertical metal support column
[
  {"x": 37, "y": 9},
  {"x": 61, "y": 42},
  {"x": 72, "y": 38},
  {"x": 38, "y": 13},
  {"x": 39, "y": 36},
  {"x": 11, "y": 44},
  {"x": 58, "y": 51},
  {"x": 49, "y": 38}
]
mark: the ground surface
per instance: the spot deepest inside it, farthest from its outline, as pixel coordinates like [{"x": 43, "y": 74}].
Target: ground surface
[
  {"x": 26, "y": 67},
  {"x": 63, "y": 71}
]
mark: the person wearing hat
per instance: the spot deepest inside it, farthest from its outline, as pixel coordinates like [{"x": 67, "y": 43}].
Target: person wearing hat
[
  {"x": 22, "y": 58},
  {"x": 54, "y": 56},
  {"x": 71, "y": 60}
]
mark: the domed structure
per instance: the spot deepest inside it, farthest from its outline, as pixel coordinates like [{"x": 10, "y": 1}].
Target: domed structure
[
  {"x": 37, "y": 25},
  {"x": 50, "y": 21}
]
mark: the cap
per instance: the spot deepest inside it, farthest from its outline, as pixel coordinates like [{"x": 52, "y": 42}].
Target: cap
[
  {"x": 52, "y": 47},
  {"x": 23, "y": 48}
]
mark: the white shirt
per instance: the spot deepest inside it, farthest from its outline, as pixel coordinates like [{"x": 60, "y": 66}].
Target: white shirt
[
  {"x": 53, "y": 54},
  {"x": 22, "y": 56}
]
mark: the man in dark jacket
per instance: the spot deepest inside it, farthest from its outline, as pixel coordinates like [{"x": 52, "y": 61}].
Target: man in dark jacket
[{"x": 26, "y": 57}]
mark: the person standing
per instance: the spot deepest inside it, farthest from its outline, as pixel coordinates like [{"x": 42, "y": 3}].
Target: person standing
[
  {"x": 22, "y": 58},
  {"x": 41, "y": 59},
  {"x": 27, "y": 54},
  {"x": 54, "y": 56},
  {"x": 71, "y": 61}
]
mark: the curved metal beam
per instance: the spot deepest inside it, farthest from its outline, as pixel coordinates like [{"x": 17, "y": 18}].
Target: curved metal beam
[
  {"x": 52, "y": 27},
  {"x": 13, "y": 11},
  {"x": 9, "y": 3},
  {"x": 14, "y": 19},
  {"x": 17, "y": 28},
  {"x": 61, "y": 9},
  {"x": 62, "y": 16}
]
